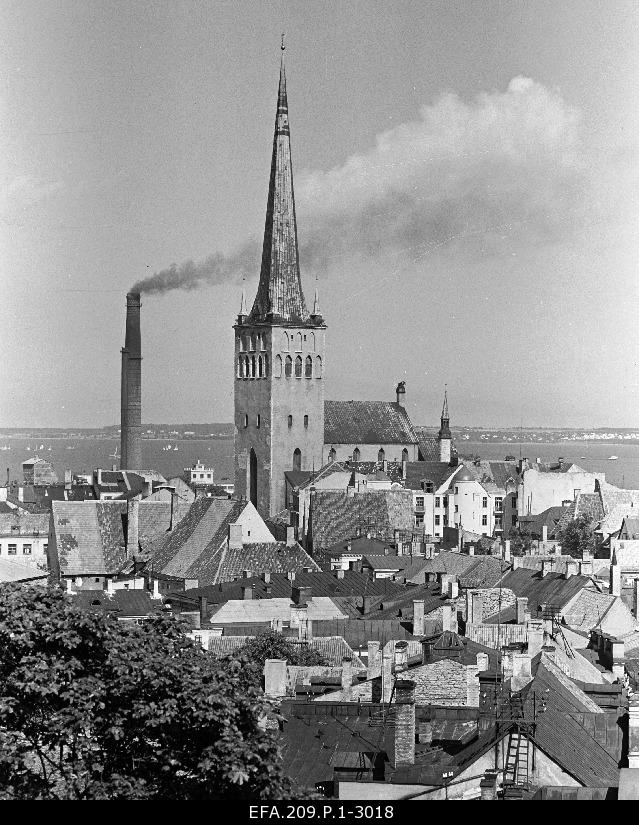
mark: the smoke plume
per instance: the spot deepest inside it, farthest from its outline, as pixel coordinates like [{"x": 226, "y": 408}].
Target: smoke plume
[{"x": 462, "y": 173}]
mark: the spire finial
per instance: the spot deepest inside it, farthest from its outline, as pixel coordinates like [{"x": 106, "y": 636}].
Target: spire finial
[
  {"x": 316, "y": 305},
  {"x": 283, "y": 47},
  {"x": 243, "y": 312}
]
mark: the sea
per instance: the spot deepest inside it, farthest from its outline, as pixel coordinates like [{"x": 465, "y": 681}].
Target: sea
[{"x": 87, "y": 454}]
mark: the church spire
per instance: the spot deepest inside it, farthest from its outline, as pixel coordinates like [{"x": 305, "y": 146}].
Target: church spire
[
  {"x": 445, "y": 437},
  {"x": 279, "y": 294}
]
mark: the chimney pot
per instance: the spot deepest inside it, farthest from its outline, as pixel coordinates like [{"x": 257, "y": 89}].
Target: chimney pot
[{"x": 404, "y": 738}]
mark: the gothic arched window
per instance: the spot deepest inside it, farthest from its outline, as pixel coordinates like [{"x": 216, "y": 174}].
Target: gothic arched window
[
  {"x": 404, "y": 454},
  {"x": 290, "y": 421},
  {"x": 297, "y": 459},
  {"x": 240, "y": 367},
  {"x": 265, "y": 365},
  {"x": 311, "y": 341},
  {"x": 308, "y": 369},
  {"x": 356, "y": 454},
  {"x": 318, "y": 367},
  {"x": 242, "y": 343},
  {"x": 381, "y": 455},
  {"x": 306, "y": 421},
  {"x": 277, "y": 366},
  {"x": 252, "y": 366},
  {"x": 260, "y": 367},
  {"x": 298, "y": 366},
  {"x": 288, "y": 366},
  {"x": 285, "y": 342},
  {"x": 298, "y": 342}
]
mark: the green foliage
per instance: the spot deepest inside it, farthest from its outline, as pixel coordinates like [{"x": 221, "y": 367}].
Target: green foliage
[
  {"x": 520, "y": 542},
  {"x": 93, "y": 708},
  {"x": 577, "y": 536},
  {"x": 272, "y": 645}
]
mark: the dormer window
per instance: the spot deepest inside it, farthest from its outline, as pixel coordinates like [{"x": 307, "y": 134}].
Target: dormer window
[{"x": 428, "y": 486}]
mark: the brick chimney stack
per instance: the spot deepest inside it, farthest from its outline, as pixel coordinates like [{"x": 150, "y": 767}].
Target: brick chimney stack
[
  {"x": 131, "y": 388},
  {"x": 404, "y": 723}
]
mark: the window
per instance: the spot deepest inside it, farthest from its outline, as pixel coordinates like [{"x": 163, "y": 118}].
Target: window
[
  {"x": 12, "y": 549},
  {"x": 311, "y": 341},
  {"x": 456, "y": 509},
  {"x": 356, "y": 454},
  {"x": 381, "y": 455},
  {"x": 484, "y": 502},
  {"x": 288, "y": 367},
  {"x": 298, "y": 366},
  {"x": 260, "y": 367},
  {"x": 308, "y": 367},
  {"x": 242, "y": 343},
  {"x": 437, "y": 521},
  {"x": 428, "y": 487},
  {"x": 45, "y": 547},
  {"x": 284, "y": 342},
  {"x": 404, "y": 454},
  {"x": 332, "y": 454},
  {"x": 277, "y": 367},
  {"x": 26, "y": 549},
  {"x": 297, "y": 459},
  {"x": 419, "y": 519},
  {"x": 265, "y": 365},
  {"x": 298, "y": 342},
  {"x": 318, "y": 367},
  {"x": 419, "y": 501},
  {"x": 437, "y": 501},
  {"x": 498, "y": 504},
  {"x": 484, "y": 521},
  {"x": 456, "y": 491},
  {"x": 498, "y": 522},
  {"x": 306, "y": 421},
  {"x": 445, "y": 502},
  {"x": 258, "y": 421},
  {"x": 290, "y": 421},
  {"x": 514, "y": 520},
  {"x": 245, "y": 421}
]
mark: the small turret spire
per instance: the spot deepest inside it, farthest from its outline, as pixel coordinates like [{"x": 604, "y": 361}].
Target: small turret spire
[
  {"x": 445, "y": 438},
  {"x": 316, "y": 304},
  {"x": 445, "y": 407},
  {"x": 243, "y": 312}
]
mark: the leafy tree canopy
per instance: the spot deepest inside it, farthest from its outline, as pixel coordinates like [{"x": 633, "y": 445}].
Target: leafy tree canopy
[
  {"x": 577, "y": 536},
  {"x": 272, "y": 645},
  {"x": 93, "y": 708},
  {"x": 520, "y": 542}
]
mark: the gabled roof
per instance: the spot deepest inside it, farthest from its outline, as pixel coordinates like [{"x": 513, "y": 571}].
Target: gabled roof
[
  {"x": 335, "y": 516},
  {"x": 367, "y": 422},
  {"x": 14, "y": 571},
  {"x": 352, "y": 584},
  {"x": 260, "y": 557},
  {"x": 553, "y": 589},
  {"x": 24, "y": 524},
  {"x": 359, "y": 632},
  {"x": 437, "y": 472},
  {"x": 90, "y": 537},
  {"x": 384, "y": 562},
  {"x": 190, "y": 551},
  {"x": 471, "y": 571},
  {"x": 549, "y": 518},
  {"x": 266, "y": 610}
]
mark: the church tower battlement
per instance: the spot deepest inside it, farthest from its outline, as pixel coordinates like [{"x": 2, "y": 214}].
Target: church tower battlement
[{"x": 279, "y": 350}]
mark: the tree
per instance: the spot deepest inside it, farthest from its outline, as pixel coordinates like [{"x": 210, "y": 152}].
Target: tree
[
  {"x": 521, "y": 542},
  {"x": 93, "y": 708},
  {"x": 577, "y": 536},
  {"x": 272, "y": 645}
]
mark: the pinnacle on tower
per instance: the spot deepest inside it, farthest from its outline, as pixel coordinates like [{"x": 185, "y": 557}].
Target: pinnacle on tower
[
  {"x": 279, "y": 296},
  {"x": 444, "y": 430}
]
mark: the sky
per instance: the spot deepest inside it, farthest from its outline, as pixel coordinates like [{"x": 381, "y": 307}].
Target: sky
[{"x": 466, "y": 179}]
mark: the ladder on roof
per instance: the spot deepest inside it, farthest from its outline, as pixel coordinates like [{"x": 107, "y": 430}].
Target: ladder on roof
[
  {"x": 517, "y": 756},
  {"x": 567, "y": 646}
]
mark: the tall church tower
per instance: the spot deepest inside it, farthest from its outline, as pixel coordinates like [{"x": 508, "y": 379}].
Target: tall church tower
[
  {"x": 445, "y": 437},
  {"x": 279, "y": 351}
]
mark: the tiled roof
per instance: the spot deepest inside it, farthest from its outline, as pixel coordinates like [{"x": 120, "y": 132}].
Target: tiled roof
[
  {"x": 89, "y": 538},
  {"x": 493, "y": 475},
  {"x": 123, "y": 603},
  {"x": 357, "y": 546},
  {"x": 550, "y": 518},
  {"x": 436, "y": 471},
  {"x": 262, "y": 557},
  {"x": 630, "y": 528},
  {"x": 190, "y": 551},
  {"x": 27, "y": 524},
  {"x": 335, "y": 516},
  {"x": 588, "y": 610},
  {"x": 367, "y": 422},
  {"x": 352, "y": 584},
  {"x": 552, "y": 589},
  {"x": 389, "y": 562},
  {"x": 471, "y": 571},
  {"x": 429, "y": 447}
]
